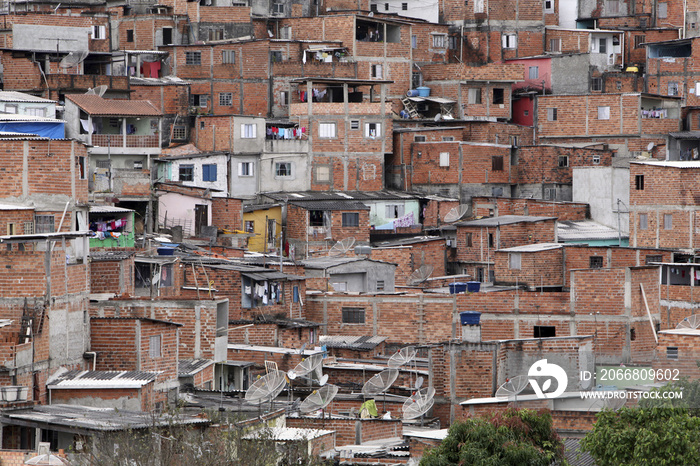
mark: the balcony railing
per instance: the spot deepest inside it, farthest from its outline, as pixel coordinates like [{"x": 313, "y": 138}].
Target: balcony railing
[{"x": 118, "y": 140}]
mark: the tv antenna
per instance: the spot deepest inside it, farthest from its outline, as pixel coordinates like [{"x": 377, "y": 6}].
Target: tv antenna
[
  {"x": 312, "y": 364},
  {"x": 402, "y": 357},
  {"x": 266, "y": 388},
  {"x": 73, "y": 59},
  {"x": 98, "y": 90},
  {"x": 319, "y": 399},
  {"x": 419, "y": 403},
  {"x": 691, "y": 322},
  {"x": 456, "y": 213},
  {"x": 380, "y": 383},
  {"x": 341, "y": 247},
  {"x": 420, "y": 275},
  {"x": 512, "y": 387}
]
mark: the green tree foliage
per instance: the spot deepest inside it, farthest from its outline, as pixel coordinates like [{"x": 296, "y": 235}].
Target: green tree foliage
[
  {"x": 650, "y": 436},
  {"x": 513, "y": 437}
]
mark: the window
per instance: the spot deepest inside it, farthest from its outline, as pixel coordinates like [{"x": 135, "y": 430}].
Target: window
[
  {"x": 596, "y": 159},
  {"x": 11, "y": 229},
  {"x": 186, "y": 172},
  {"x": 209, "y": 172},
  {"x": 444, "y": 159},
  {"x": 510, "y": 41},
  {"x": 199, "y": 100},
  {"x": 245, "y": 169},
  {"x": 284, "y": 97},
  {"x": 286, "y": 32},
  {"x": 353, "y": 315},
  {"x": 468, "y": 239},
  {"x": 129, "y": 35},
  {"x": 498, "y": 96},
  {"x": 277, "y": 7},
  {"x": 533, "y": 72},
  {"x": 326, "y": 130},
  {"x": 373, "y": 130},
  {"x": 193, "y": 58},
  {"x": 595, "y": 262},
  {"x": 643, "y": 221},
  {"x": 639, "y": 182},
  {"x": 36, "y": 111},
  {"x": 639, "y": 40},
  {"x": 167, "y": 36},
  {"x": 154, "y": 346},
  {"x": 10, "y": 108},
  {"x": 393, "y": 211},
  {"x": 603, "y": 113},
  {"x": 404, "y": 6},
  {"x": 351, "y": 219},
  {"x": 474, "y": 96},
  {"x": 225, "y": 99},
  {"x": 276, "y": 56},
  {"x": 418, "y": 138},
  {"x": 228, "y": 56},
  {"x": 597, "y": 84},
  {"x": 555, "y": 45},
  {"x": 98, "y": 32},
  {"x": 448, "y": 138},
  {"x": 439, "y": 41},
  {"x": 414, "y": 41},
  {"x": 612, "y": 7},
  {"x": 514, "y": 259},
  {"x": 662, "y": 10},
  {"x": 386, "y": 7},
  {"x": 315, "y": 218},
  {"x": 179, "y": 132},
  {"x": 416, "y": 79},
  {"x": 82, "y": 169},
  {"x": 44, "y": 224},
  {"x": 478, "y": 6},
  {"x": 671, "y": 351},
  {"x": 380, "y": 285},
  {"x": 603, "y": 45},
  {"x": 551, "y": 114},
  {"x": 497, "y": 163},
  {"x": 323, "y": 174},
  {"x": 549, "y": 6},
  {"x": 672, "y": 88},
  {"x": 248, "y": 130},
  {"x": 354, "y": 124},
  {"x": 633, "y": 334},
  {"x": 377, "y": 71},
  {"x": 295, "y": 293},
  {"x": 283, "y": 169},
  {"x": 249, "y": 226},
  {"x": 668, "y": 222},
  {"x": 491, "y": 240},
  {"x": 652, "y": 259},
  {"x": 544, "y": 331},
  {"x": 563, "y": 161},
  {"x": 216, "y": 34}
]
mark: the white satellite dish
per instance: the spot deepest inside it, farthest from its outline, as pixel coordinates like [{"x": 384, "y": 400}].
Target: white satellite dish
[
  {"x": 690, "y": 322},
  {"x": 73, "y": 59},
  {"x": 650, "y": 146},
  {"x": 266, "y": 388},
  {"x": 420, "y": 275},
  {"x": 402, "y": 357},
  {"x": 341, "y": 247},
  {"x": 456, "y": 213},
  {"x": 312, "y": 364},
  {"x": 319, "y": 399},
  {"x": 380, "y": 382},
  {"x": 512, "y": 387},
  {"x": 419, "y": 403},
  {"x": 101, "y": 89},
  {"x": 419, "y": 383},
  {"x": 614, "y": 403}
]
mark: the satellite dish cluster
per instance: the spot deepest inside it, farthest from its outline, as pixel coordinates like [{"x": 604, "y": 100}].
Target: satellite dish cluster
[{"x": 269, "y": 386}]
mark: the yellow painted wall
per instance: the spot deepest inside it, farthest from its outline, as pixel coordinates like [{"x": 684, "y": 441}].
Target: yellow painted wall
[{"x": 258, "y": 217}]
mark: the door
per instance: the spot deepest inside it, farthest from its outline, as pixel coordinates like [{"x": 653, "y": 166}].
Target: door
[{"x": 201, "y": 218}]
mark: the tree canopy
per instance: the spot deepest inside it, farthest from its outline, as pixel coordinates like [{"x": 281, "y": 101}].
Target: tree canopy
[{"x": 513, "y": 437}]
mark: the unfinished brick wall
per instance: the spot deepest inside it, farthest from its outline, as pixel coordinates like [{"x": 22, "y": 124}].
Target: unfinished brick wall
[
  {"x": 112, "y": 276},
  {"x": 495, "y": 206},
  {"x": 475, "y": 243},
  {"x": 227, "y": 213}
]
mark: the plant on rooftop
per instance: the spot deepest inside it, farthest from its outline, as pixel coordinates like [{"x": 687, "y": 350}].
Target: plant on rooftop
[{"x": 513, "y": 437}]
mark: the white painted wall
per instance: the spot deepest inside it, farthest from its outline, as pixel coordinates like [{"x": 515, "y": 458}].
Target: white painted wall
[
  {"x": 601, "y": 187},
  {"x": 181, "y": 207}
]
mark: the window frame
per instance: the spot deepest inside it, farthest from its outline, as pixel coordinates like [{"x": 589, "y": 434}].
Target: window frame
[
  {"x": 639, "y": 182},
  {"x": 373, "y": 126},
  {"x": 193, "y": 58},
  {"x": 249, "y": 130},
  {"x": 552, "y": 114},
  {"x": 246, "y": 172},
  {"x": 595, "y": 262},
  {"x": 353, "y": 315},
  {"x": 668, "y": 221},
  {"x": 228, "y": 57},
  {"x": 225, "y": 99},
  {"x": 209, "y": 172},
  {"x": 183, "y": 169},
  {"x": 286, "y": 173},
  {"x": 438, "y": 40},
  {"x": 444, "y": 159},
  {"x": 44, "y": 223},
  {"x": 515, "y": 261},
  {"x": 155, "y": 346},
  {"x": 346, "y": 221},
  {"x": 497, "y": 163},
  {"x": 327, "y": 130},
  {"x": 536, "y": 73},
  {"x": 643, "y": 221}
]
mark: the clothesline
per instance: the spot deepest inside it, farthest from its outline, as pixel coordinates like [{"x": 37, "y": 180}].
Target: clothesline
[{"x": 274, "y": 132}]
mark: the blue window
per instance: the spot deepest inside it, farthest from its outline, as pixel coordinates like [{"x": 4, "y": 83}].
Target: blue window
[
  {"x": 209, "y": 172},
  {"x": 295, "y": 294}
]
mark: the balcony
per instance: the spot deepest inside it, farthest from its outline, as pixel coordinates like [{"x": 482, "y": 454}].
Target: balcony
[{"x": 125, "y": 141}]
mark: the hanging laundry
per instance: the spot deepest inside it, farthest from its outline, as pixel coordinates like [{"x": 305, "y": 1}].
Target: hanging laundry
[
  {"x": 155, "y": 69},
  {"x": 248, "y": 290}
]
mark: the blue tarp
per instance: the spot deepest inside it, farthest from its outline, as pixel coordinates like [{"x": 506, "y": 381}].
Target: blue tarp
[
  {"x": 386, "y": 226},
  {"x": 46, "y": 129}
]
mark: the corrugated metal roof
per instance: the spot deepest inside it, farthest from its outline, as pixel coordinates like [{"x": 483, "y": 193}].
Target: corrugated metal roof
[
  {"x": 81, "y": 380},
  {"x": 502, "y": 220},
  {"x": 304, "y": 196},
  {"x": 164, "y": 81},
  {"x": 534, "y": 247},
  {"x": 97, "y": 255},
  {"x": 97, "y": 106},
  {"x": 189, "y": 367},
  {"x": 585, "y": 230},
  {"x": 102, "y": 209},
  {"x": 287, "y": 434},
  {"x": 330, "y": 205},
  {"x": 351, "y": 342},
  {"x": 14, "y": 96}
]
